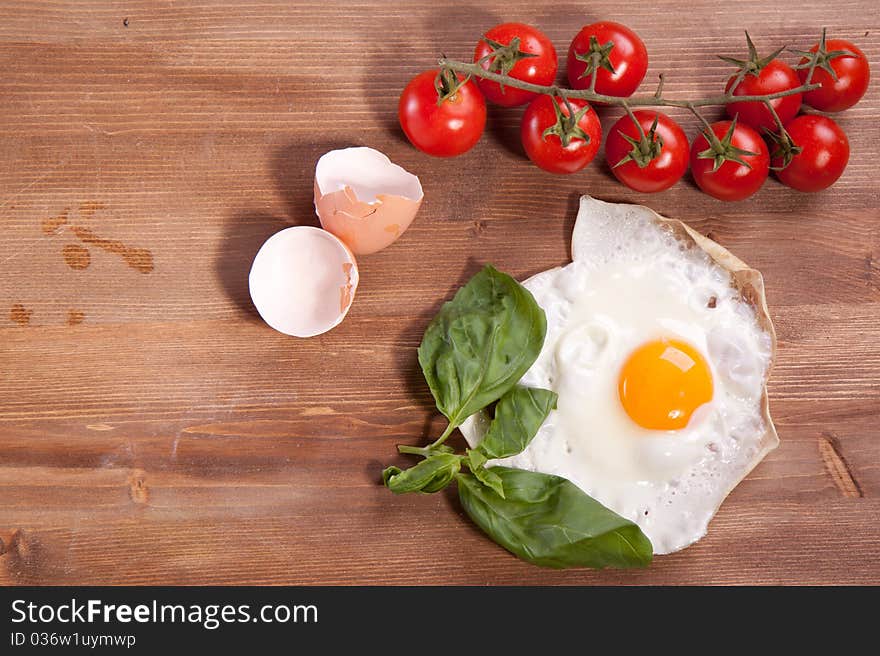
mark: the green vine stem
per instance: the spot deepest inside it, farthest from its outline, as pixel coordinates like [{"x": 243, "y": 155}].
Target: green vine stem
[
  {"x": 775, "y": 116},
  {"x": 654, "y": 100},
  {"x": 785, "y": 145}
]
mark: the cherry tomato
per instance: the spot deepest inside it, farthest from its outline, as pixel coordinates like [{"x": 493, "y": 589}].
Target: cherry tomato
[
  {"x": 647, "y": 162},
  {"x": 773, "y": 77},
  {"x": 623, "y": 59},
  {"x": 505, "y": 49},
  {"x": 557, "y": 140},
  {"x": 852, "y": 75},
  {"x": 735, "y": 167},
  {"x": 446, "y": 127},
  {"x": 823, "y": 157}
]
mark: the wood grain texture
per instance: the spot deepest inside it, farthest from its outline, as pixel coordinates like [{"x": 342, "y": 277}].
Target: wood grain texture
[{"x": 154, "y": 430}]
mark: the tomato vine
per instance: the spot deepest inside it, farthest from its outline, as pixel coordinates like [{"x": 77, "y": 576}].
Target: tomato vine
[{"x": 657, "y": 99}]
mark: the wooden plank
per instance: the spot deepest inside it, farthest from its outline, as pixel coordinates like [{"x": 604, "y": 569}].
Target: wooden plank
[{"x": 154, "y": 430}]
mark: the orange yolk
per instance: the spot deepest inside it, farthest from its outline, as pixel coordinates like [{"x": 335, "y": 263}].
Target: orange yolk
[{"x": 663, "y": 382}]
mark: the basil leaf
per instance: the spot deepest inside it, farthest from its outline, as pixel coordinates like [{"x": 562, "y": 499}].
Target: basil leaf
[
  {"x": 490, "y": 479},
  {"x": 430, "y": 475},
  {"x": 475, "y": 458},
  {"x": 475, "y": 462},
  {"x": 388, "y": 472},
  {"x": 518, "y": 416},
  {"x": 549, "y": 521},
  {"x": 442, "y": 478},
  {"x": 481, "y": 343}
]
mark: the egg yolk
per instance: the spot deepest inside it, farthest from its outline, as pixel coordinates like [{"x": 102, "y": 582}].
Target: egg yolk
[{"x": 663, "y": 382}]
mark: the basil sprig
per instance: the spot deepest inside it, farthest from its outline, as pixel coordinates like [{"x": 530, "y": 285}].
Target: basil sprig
[
  {"x": 480, "y": 344},
  {"x": 473, "y": 354}
]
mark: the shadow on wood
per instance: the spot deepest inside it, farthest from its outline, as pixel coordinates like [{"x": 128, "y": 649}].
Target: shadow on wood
[{"x": 242, "y": 238}]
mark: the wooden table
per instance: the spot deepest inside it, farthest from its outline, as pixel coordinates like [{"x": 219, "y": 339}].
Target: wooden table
[{"x": 154, "y": 430}]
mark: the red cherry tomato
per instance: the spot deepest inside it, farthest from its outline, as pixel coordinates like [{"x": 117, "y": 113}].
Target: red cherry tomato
[
  {"x": 445, "y": 128},
  {"x": 852, "y": 73},
  {"x": 556, "y": 140},
  {"x": 732, "y": 179},
  {"x": 649, "y": 164},
  {"x": 508, "y": 42},
  {"x": 623, "y": 59},
  {"x": 823, "y": 157},
  {"x": 774, "y": 77}
]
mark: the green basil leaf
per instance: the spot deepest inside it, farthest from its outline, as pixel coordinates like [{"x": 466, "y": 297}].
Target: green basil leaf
[
  {"x": 475, "y": 462},
  {"x": 549, "y": 521},
  {"x": 442, "y": 479},
  {"x": 475, "y": 458},
  {"x": 430, "y": 475},
  {"x": 518, "y": 416},
  {"x": 490, "y": 479},
  {"x": 388, "y": 472},
  {"x": 481, "y": 343}
]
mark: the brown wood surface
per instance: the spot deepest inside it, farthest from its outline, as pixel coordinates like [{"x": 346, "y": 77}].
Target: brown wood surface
[{"x": 154, "y": 430}]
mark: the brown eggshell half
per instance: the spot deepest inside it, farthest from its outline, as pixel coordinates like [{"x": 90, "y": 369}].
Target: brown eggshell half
[{"x": 365, "y": 199}]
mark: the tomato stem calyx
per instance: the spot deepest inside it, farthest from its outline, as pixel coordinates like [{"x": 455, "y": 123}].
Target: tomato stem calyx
[
  {"x": 751, "y": 66},
  {"x": 722, "y": 150},
  {"x": 596, "y": 57},
  {"x": 503, "y": 58},
  {"x": 646, "y": 148},
  {"x": 566, "y": 126},
  {"x": 784, "y": 147},
  {"x": 448, "y": 84},
  {"x": 821, "y": 58}
]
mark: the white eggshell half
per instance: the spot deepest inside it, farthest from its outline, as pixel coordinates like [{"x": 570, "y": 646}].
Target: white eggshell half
[{"x": 303, "y": 281}]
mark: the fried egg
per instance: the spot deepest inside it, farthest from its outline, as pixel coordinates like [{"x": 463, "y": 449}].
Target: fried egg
[{"x": 660, "y": 362}]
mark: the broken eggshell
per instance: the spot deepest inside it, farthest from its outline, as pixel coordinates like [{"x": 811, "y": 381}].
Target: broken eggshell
[
  {"x": 303, "y": 281},
  {"x": 365, "y": 199}
]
